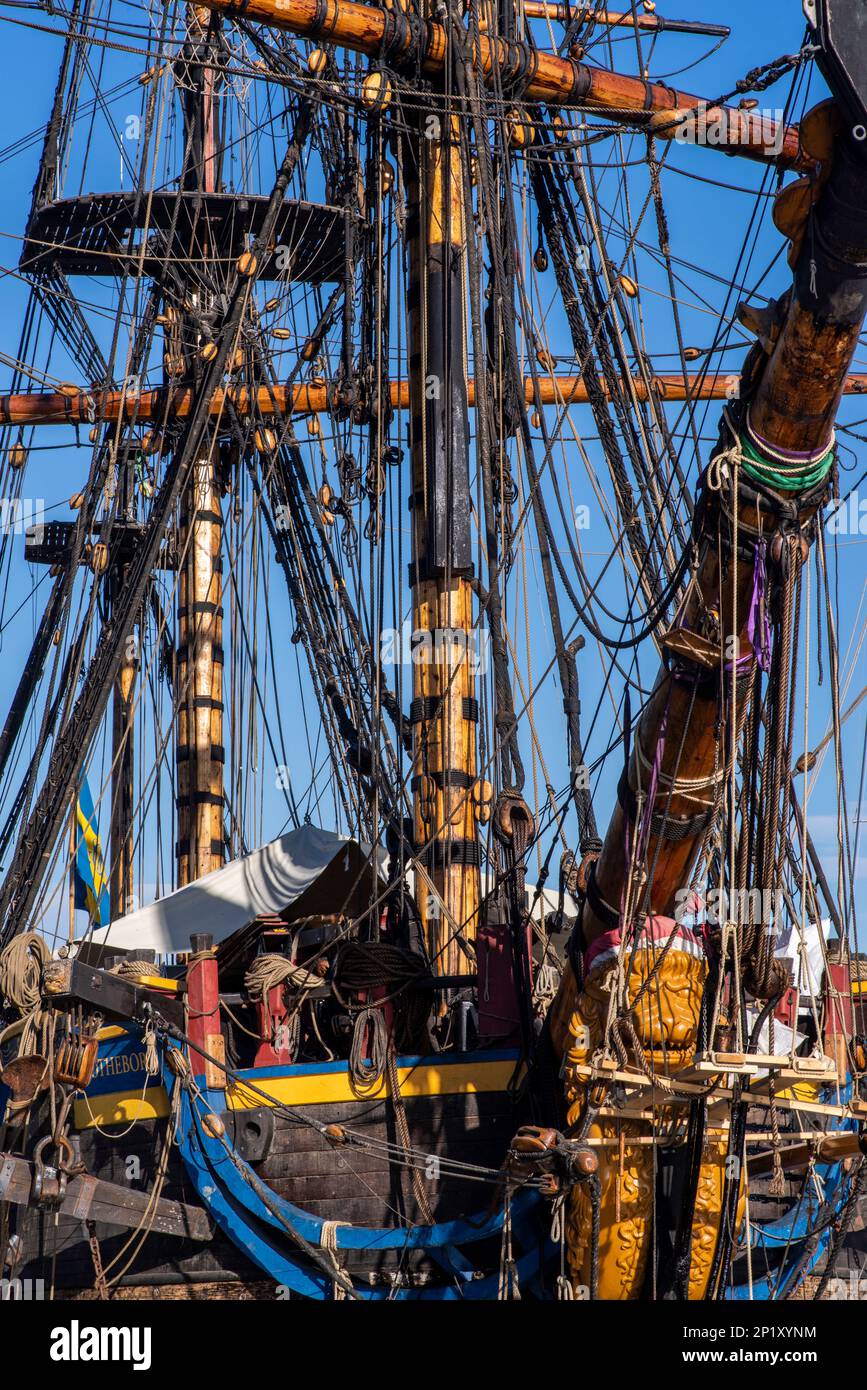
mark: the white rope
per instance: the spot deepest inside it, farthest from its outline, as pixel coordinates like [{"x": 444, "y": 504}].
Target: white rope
[
  {"x": 681, "y": 786},
  {"x": 508, "y": 1287},
  {"x": 268, "y": 970},
  {"x": 328, "y": 1242}
]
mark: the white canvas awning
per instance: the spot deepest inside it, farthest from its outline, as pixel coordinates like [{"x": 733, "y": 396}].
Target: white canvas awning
[{"x": 269, "y": 880}]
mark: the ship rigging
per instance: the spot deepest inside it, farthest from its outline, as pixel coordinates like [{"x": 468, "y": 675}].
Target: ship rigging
[{"x": 402, "y": 966}]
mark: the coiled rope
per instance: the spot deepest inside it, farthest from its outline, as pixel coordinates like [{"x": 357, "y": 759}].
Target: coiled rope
[
  {"x": 130, "y": 968},
  {"x": 368, "y": 1053},
  {"x": 268, "y": 971},
  {"x": 21, "y": 966}
]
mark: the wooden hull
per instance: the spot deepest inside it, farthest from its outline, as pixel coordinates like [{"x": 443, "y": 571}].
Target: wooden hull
[{"x": 459, "y": 1107}]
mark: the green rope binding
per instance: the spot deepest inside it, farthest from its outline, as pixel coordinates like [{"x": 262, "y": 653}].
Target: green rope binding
[{"x": 798, "y": 479}]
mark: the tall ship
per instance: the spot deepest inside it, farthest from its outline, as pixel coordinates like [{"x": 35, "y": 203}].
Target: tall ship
[{"x": 432, "y": 756}]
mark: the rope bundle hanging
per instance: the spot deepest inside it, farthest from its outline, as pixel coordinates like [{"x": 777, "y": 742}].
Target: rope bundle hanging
[
  {"x": 268, "y": 971},
  {"x": 763, "y": 975},
  {"x": 363, "y": 966},
  {"x": 21, "y": 966},
  {"x": 368, "y": 1053}
]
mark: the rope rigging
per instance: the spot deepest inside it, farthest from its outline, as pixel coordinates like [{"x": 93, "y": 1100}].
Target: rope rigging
[{"x": 425, "y": 242}]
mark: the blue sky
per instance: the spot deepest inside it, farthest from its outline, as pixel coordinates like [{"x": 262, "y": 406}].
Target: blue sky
[{"x": 708, "y": 226}]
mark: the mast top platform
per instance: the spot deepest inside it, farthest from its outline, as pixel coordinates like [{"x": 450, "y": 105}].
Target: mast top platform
[{"x": 101, "y": 234}]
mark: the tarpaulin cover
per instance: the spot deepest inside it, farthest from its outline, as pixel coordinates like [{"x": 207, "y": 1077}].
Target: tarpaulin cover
[{"x": 267, "y": 881}]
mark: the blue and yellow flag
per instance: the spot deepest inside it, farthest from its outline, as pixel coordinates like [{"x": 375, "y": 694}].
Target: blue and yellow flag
[{"x": 88, "y": 870}]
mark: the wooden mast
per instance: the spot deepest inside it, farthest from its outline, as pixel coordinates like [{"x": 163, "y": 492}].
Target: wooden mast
[
  {"x": 120, "y": 875},
  {"x": 444, "y": 708},
  {"x": 200, "y": 752},
  {"x": 619, "y": 19},
  {"x": 797, "y": 383},
  {"x": 122, "y": 787},
  {"x": 783, "y": 430}
]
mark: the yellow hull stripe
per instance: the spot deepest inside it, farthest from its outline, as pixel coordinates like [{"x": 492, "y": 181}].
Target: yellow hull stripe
[
  {"x": 121, "y": 1107},
  {"x": 331, "y": 1088},
  {"x": 322, "y": 1088}
]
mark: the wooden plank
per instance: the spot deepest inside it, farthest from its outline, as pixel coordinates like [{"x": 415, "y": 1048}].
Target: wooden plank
[
  {"x": 809, "y": 1107},
  {"x": 215, "y": 1072},
  {"x": 365, "y": 1211},
  {"x": 433, "y": 1133},
  {"x": 90, "y": 1199},
  {"x": 659, "y": 1091},
  {"x": 824, "y": 1149},
  {"x": 166, "y": 1257},
  {"x": 355, "y": 1158},
  {"x": 113, "y": 995}
]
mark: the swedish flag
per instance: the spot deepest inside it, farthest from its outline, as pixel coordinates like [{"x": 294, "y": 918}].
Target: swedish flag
[{"x": 88, "y": 871}]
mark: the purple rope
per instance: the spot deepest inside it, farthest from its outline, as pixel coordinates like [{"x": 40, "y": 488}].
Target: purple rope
[
  {"x": 758, "y": 628},
  {"x": 796, "y": 457}
]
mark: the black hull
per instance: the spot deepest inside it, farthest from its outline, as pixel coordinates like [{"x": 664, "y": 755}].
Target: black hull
[{"x": 346, "y": 1184}]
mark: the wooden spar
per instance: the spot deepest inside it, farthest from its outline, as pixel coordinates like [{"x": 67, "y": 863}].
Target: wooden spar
[
  {"x": 584, "y": 14},
  {"x": 199, "y": 748},
  {"x": 688, "y": 731},
  {"x": 444, "y": 709},
  {"x": 73, "y": 836},
  {"x": 122, "y": 787},
  {"x": 200, "y": 678},
  {"x": 391, "y": 36},
  {"x": 311, "y": 398},
  {"x": 112, "y": 1204},
  {"x": 825, "y": 1148},
  {"x": 120, "y": 876},
  {"x": 793, "y": 390}
]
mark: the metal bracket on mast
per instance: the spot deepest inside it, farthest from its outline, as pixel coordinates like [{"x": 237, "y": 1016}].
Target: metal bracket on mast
[{"x": 841, "y": 28}]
